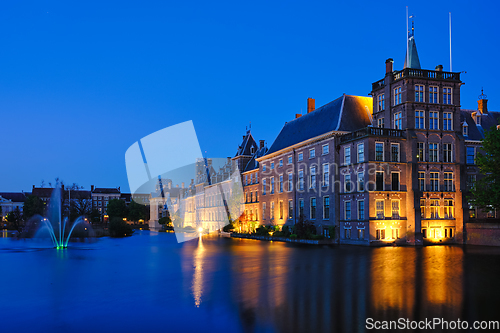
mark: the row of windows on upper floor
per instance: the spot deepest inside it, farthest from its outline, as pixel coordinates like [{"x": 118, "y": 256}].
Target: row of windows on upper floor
[
  {"x": 397, "y": 120},
  {"x": 350, "y": 186},
  {"x": 433, "y": 96},
  {"x": 325, "y": 149}
]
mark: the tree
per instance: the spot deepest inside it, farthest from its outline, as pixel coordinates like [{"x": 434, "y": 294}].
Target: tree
[
  {"x": 486, "y": 191},
  {"x": 136, "y": 211},
  {"x": 116, "y": 208},
  {"x": 32, "y": 206},
  {"x": 119, "y": 228},
  {"x": 95, "y": 216},
  {"x": 165, "y": 220},
  {"x": 15, "y": 218}
]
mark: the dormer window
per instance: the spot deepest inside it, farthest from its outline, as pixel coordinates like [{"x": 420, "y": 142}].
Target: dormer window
[
  {"x": 465, "y": 129},
  {"x": 252, "y": 150},
  {"x": 478, "y": 120}
]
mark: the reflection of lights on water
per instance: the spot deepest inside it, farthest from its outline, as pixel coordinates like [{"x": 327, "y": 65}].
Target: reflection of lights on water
[
  {"x": 198, "y": 273},
  {"x": 200, "y": 229}
]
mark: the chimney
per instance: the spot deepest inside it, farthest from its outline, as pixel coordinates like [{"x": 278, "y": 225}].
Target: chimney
[
  {"x": 62, "y": 187},
  {"x": 176, "y": 185},
  {"x": 388, "y": 66},
  {"x": 261, "y": 144},
  {"x": 298, "y": 115},
  {"x": 182, "y": 184},
  {"x": 118, "y": 188},
  {"x": 482, "y": 103},
  {"x": 439, "y": 68},
  {"x": 91, "y": 188},
  {"x": 33, "y": 186},
  {"x": 310, "y": 105}
]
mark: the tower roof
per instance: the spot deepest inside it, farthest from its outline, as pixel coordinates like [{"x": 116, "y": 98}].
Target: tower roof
[{"x": 411, "y": 51}]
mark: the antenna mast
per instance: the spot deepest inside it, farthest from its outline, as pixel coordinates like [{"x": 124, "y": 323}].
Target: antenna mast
[
  {"x": 451, "y": 68},
  {"x": 407, "y": 34}
]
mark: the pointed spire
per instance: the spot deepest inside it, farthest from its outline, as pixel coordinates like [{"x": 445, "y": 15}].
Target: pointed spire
[{"x": 412, "y": 55}]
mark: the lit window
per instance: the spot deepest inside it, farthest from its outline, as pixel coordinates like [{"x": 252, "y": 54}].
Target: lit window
[
  {"x": 448, "y": 121},
  {"x": 434, "y": 209},
  {"x": 471, "y": 155},
  {"x": 446, "y": 95},
  {"x": 361, "y": 181},
  {"x": 347, "y": 155},
  {"x": 421, "y": 181},
  {"x": 347, "y": 183},
  {"x": 380, "y": 234},
  {"x": 361, "y": 153},
  {"x": 397, "y": 96},
  {"x": 301, "y": 180},
  {"x": 325, "y": 149},
  {"x": 379, "y": 209},
  {"x": 379, "y": 151},
  {"x": 434, "y": 181},
  {"x": 381, "y": 102},
  {"x": 326, "y": 208},
  {"x": 313, "y": 177},
  {"x": 448, "y": 181},
  {"x": 272, "y": 185},
  {"x": 433, "y": 94},
  {"x": 419, "y": 93},
  {"x": 361, "y": 210},
  {"x": 394, "y": 152},
  {"x": 290, "y": 209},
  {"x": 347, "y": 210},
  {"x": 380, "y": 122},
  {"x": 447, "y": 153},
  {"x": 433, "y": 120},
  {"x": 271, "y": 211},
  {"x": 281, "y": 210},
  {"x": 422, "y": 208},
  {"x": 420, "y": 152},
  {"x": 395, "y": 209},
  {"x": 419, "y": 120},
  {"x": 398, "y": 120},
  {"x": 313, "y": 208},
  {"x": 326, "y": 174},
  {"x": 281, "y": 184},
  {"x": 433, "y": 152}
]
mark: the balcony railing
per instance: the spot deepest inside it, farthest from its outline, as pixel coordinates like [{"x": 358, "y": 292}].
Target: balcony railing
[
  {"x": 440, "y": 188},
  {"x": 419, "y": 73},
  {"x": 374, "y": 131}
]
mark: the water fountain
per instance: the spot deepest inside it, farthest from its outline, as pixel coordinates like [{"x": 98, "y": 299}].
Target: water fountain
[{"x": 54, "y": 223}]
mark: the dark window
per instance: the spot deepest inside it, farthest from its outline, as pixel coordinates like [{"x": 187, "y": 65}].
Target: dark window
[
  {"x": 379, "y": 181},
  {"x": 395, "y": 181}
]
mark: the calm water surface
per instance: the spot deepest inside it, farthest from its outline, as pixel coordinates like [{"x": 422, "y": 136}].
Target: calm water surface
[{"x": 149, "y": 283}]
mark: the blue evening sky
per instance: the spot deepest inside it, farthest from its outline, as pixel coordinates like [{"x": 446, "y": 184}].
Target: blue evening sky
[{"x": 80, "y": 83}]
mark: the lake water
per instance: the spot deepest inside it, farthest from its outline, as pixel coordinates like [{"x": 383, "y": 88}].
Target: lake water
[{"x": 149, "y": 283}]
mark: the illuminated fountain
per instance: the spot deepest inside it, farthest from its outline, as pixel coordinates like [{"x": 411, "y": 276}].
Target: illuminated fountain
[{"x": 54, "y": 223}]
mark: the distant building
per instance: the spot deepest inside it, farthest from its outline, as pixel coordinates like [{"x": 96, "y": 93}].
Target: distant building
[
  {"x": 100, "y": 198},
  {"x": 9, "y": 201}
]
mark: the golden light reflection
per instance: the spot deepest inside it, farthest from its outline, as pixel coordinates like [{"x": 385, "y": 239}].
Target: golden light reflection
[
  {"x": 443, "y": 274},
  {"x": 197, "y": 286},
  {"x": 392, "y": 280}
]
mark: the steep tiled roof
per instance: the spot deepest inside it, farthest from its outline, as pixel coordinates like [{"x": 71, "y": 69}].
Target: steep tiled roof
[
  {"x": 246, "y": 145},
  {"x": 106, "y": 190},
  {"x": 42, "y": 192},
  {"x": 476, "y": 132},
  {"x": 15, "y": 196},
  {"x": 253, "y": 164},
  {"x": 347, "y": 113}
]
